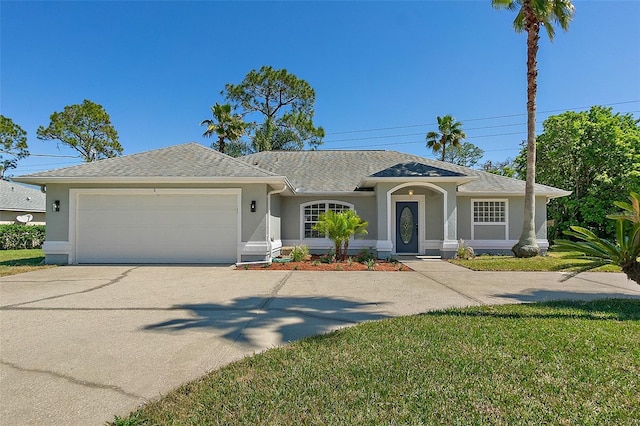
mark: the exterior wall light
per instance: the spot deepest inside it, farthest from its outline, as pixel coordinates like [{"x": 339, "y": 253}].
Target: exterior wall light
[
  {"x": 411, "y": 193},
  {"x": 56, "y": 206},
  {"x": 253, "y": 206}
]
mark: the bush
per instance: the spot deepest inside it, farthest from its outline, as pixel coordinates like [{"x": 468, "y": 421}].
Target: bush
[
  {"x": 299, "y": 253},
  {"x": 465, "y": 251},
  {"x": 365, "y": 256},
  {"x": 16, "y": 237}
]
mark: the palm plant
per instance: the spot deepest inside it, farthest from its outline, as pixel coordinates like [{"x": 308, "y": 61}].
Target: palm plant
[
  {"x": 340, "y": 227},
  {"x": 599, "y": 251},
  {"x": 532, "y": 14},
  {"x": 449, "y": 133},
  {"x": 225, "y": 125}
]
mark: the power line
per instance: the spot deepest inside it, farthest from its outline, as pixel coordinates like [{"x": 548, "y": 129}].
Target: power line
[
  {"x": 476, "y": 119},
  {"x": 422, "y": 141},
  {"x": 421, "y": 133},
  {"x": 54, "y": 155}
]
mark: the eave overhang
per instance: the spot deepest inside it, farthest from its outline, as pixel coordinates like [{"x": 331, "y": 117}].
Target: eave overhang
[
  {"x": 549, "y": 195},
  {"x": 44, "y": 180}
]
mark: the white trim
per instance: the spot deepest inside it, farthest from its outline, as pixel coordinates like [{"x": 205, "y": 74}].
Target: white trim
[
  {"x": 419, "y": 198},
  {"x": 502, "y": 244},
  {"x": 57, "y": 247},
  {"x": 384, "y": 245},
  {"x": 308, "y": 203},
  {"x": 74, "y": 201},
  {"x": 506, "y": 216},
  {"x": 325, "y": 243},
  {"x": 390, "y": 205},
  {"x": 302, "y": 193},
  {"x": 559, "y": 194},
  {"x": 449, "y": 245},
  {"x": 275, "y": 246},
  {"x": 253, "y": 248},
  {"x": 154, "y": 179}
]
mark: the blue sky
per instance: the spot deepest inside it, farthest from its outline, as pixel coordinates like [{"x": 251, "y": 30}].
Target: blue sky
[{"x": 382, "y": 71}]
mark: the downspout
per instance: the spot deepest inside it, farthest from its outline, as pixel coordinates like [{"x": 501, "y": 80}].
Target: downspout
[{"x": 268, "y": 227}]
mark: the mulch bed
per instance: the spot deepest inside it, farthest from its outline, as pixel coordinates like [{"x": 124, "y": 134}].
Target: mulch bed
[{"x": 314, "y": 264}]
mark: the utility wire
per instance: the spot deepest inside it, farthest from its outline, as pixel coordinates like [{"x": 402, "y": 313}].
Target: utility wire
[{"x": 477, "y": 119}]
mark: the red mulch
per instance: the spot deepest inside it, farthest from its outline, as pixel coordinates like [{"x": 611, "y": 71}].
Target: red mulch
[{"x": 315, "y": 265}]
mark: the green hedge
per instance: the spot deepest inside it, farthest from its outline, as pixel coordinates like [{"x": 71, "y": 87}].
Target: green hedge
[{"x": 15, "y": 237}]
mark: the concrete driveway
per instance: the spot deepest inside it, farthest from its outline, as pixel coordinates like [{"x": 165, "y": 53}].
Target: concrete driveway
[{"x": 80, "y": 344}]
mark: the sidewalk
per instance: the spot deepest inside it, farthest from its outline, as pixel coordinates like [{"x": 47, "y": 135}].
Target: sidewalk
[{"x": 513, "y": 287}]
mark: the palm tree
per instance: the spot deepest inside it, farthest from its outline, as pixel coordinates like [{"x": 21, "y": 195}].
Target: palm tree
[
  {"x": 531, "y": 15},
  {"x": 340, "y": 227},
  {"x": 225, "y": 125},
  {"x": 624, "y": 252},
  {"x": 449, "y": 133}
]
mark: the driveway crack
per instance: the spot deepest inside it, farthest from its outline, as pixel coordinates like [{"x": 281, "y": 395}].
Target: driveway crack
[
  {"x": 263, "y": 306},
  {"x": 57, "y": 296},
  {"x": 71, "y": 379},
  {"x": 466, "y": 296}
]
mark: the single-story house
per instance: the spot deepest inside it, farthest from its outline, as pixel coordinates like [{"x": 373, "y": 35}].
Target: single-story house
[
  {"x": 190, "y": 204},
  {"x": 21, "y": 204}
]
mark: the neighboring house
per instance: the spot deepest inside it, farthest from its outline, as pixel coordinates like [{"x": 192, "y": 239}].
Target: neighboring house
[
  {"x": 190, "y": 204},
  {"x": 17, "y": 200}
]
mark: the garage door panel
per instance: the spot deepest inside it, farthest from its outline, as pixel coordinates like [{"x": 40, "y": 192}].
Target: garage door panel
[{"x": 156, "y": 228}]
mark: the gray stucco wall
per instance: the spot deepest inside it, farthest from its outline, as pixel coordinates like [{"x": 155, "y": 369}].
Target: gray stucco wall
[
  {"x": 365, "y": 206},
  {"x": 515, "y": 215},
  {"x": 253, "y": 223}
]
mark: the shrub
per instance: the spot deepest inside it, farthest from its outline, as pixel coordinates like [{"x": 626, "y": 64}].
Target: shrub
[
  {"x": 330, "y": 257},
  {"x": 365, "y": 256},
  {"x": 299, "y": 253},
  {"x": 465, "y": 251},
  {"x": 371, "y": 264},
  {"x": 624, "y": 252},
  {"x": 17, "y": 236}
]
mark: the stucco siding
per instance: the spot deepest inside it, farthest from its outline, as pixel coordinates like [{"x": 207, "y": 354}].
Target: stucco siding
[
  {"x": 515, "y": 214},
  {"x": 253, "y": 223},
  {"x": 434, "y": 218},
  {"x": 365, "y": 206}
]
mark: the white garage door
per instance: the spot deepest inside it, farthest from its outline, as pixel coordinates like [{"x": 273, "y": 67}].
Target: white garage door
[{"x": 170, "y": 227}]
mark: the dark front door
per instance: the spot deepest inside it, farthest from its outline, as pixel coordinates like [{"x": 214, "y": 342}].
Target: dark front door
[{"x": 407, "y": 227}]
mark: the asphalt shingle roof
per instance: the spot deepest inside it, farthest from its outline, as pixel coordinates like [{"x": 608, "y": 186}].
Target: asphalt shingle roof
[
  {"x": 17, "y": 197},
  {"x": 342, "y": 171},
  {"x": 186, "y": 160},
  {"x": 307, "y": 171}
]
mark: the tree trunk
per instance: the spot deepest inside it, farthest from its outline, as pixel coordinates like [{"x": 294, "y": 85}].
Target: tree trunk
[
  {"x": 527, "y": 246},
  {"x": 221, "y": 145}
]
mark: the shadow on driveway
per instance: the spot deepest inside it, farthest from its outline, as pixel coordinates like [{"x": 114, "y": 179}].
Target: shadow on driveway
[{"x": 291, "y": 318}]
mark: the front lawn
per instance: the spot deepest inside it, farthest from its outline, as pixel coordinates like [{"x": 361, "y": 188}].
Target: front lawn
[
  {"x": 550, "y": 363},
  {"x": 18, "y": 261},
  {"x": 553, "y": 261}
]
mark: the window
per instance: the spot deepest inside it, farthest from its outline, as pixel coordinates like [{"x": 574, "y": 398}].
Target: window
[
  {"x": 312, "y": 211},
  {"x": 489, "y": 211}
]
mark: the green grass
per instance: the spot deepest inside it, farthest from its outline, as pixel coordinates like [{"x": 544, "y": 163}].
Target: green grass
[
  {"x": 19, "y": 261},
  {"x": 551, "y": 262},
  {"x": 552, "y": 363}
]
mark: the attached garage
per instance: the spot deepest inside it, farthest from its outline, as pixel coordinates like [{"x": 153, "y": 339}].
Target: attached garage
[{"x": 155, "y": 225}]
